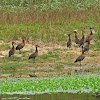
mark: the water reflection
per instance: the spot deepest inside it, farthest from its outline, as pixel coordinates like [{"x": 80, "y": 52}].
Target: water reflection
[{"x": 59, "y": 96}]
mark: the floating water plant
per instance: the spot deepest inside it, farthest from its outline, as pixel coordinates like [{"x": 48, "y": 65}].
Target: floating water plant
[{"x": 68, "y": 84}]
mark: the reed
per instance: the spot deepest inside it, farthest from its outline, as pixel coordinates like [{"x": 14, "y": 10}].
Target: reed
[{"x": 46, "y": 20}]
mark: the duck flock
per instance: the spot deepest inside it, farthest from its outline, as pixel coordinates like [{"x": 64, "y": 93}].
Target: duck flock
[{"x": 80, "y": 43}]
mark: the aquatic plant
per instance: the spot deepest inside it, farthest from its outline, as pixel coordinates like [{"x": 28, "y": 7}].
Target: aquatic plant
[{"x": 65, "y": 83}]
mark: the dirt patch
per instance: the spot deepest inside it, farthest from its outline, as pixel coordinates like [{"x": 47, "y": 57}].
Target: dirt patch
[{"x": 45, "y": 68}]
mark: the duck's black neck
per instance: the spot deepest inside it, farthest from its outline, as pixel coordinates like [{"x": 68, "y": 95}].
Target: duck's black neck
[
  {"x": 69, "y": 38},
  {"x": 36, "y": 49},
  {"x": 75, "y": 36},
  {"x": 23, "y": 41},
  {"x": 13, "y": 47},
  {"x": 83, "y": 37},
  {"x": 91, "y": 33},
  {"x": 82, "y": 51}
]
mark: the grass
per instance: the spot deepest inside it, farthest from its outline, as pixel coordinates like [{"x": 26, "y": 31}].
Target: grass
[
  {"x": 70, "y": 53},
  {"x": 11, "y": 66},
  {"x": 55, "y": 58},
  {"x": 69, "y": 84},
  {"x": 46, "y": 33},
  {"x": 5, "y": 47},
  {"x": 50, "y": 55},
  {"x": 47, "y": 22},
  {"x": 96, "y": 46},
  {"x": 46, "y": 5},
  {"x": 14, "y": 59}
]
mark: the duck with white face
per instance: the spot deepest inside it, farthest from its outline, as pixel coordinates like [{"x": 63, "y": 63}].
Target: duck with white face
[
  {"x": 87, "y": 47},
  {"x": 81, "y": 57},
  {"x": 76, "y": 38},
  {"x": 12, "y": 51},
  {"x": 35, "y": 54},
  {"x": 21, "y": 45},
  {"x": 69, "y": 43},
  {"x": 90, "y": 37},
  {"x": 81, "y": 42}
]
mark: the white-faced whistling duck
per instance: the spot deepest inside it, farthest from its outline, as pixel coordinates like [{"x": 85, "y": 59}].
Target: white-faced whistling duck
[
  {"x": 76, "y": 38},
  {"x": 21, "y": 45},
  {"x": 81, "y": 42},
  {"x": 91, "y": 27},
  {"x": 35, "y": 54},
  {"x": 87, "y": 47},
  {"x": 89, "y": 37},
  {"x": 12, "y": 51},
  {"x": 81, "y": 57},
  {"x": 69, "y": 43}
]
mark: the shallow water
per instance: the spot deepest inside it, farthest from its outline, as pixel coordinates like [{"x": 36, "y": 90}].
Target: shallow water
[{"x": 59, "y": 96}]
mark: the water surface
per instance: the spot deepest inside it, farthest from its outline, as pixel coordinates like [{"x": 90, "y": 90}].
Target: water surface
[{"x": 59, "y": 96}]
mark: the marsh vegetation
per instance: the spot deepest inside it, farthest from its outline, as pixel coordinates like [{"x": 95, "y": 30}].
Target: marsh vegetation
[{"x": 48, "y": 23}]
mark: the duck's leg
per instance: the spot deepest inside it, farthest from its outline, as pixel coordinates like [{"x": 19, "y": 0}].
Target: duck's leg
[
  {"x": 20, "y": 52},
  {"x": 88, "y": 52},
  {"x": 80, "y": 63},
  {"x": 13, "y": 56},
  {"x": 34, "y": 60}
]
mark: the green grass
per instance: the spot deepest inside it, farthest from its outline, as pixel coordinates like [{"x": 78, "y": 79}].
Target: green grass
[
  {"x": 96, "y": 46},
  {"x": 46, "y": 33},
  {"x": 97, "y": 36},
  {"x": 50, "y": 57},
  {"x": 69, "y": 84},
  {"x": 11, "y": 66},
  {"x": 70, "y": 54},
  {"x": 44, "y": 5},
  {"x": 50, "y": 54},
  {"x": 47, "y": 21},
  {"x": 5, "y": 47},
  {"x": 13, "y": 58}
]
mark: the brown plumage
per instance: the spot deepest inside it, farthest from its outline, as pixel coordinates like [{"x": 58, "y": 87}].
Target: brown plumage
[
  {"x": 81, "y": 42},
  {"x": 12, "y": 51},
  {"x": 81, "y": 57},
  {"x": 89, "y": 37},
  {"x": 76, "y": 38},
  {"x": 69, "y": 43},
  {"x": 21, "y": 45},
  {"x": 35, "y": 54},
  {"x": 87, "y": 47}
]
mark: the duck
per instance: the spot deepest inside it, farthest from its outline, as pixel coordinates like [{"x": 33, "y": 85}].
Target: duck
[
  {"x": 87, "y": 47},
  {"x": 35, "y": 54},
  {"x": 12, "y": 51},
  {"x": 81, "y": 57},
  {"x": 90, "y": 37},
  {"x": 81, "y": 42},
  {"x": 76, "y": 38},
  {"x": 69, "y": 43},
  {"x": 21, "y": 45}
]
